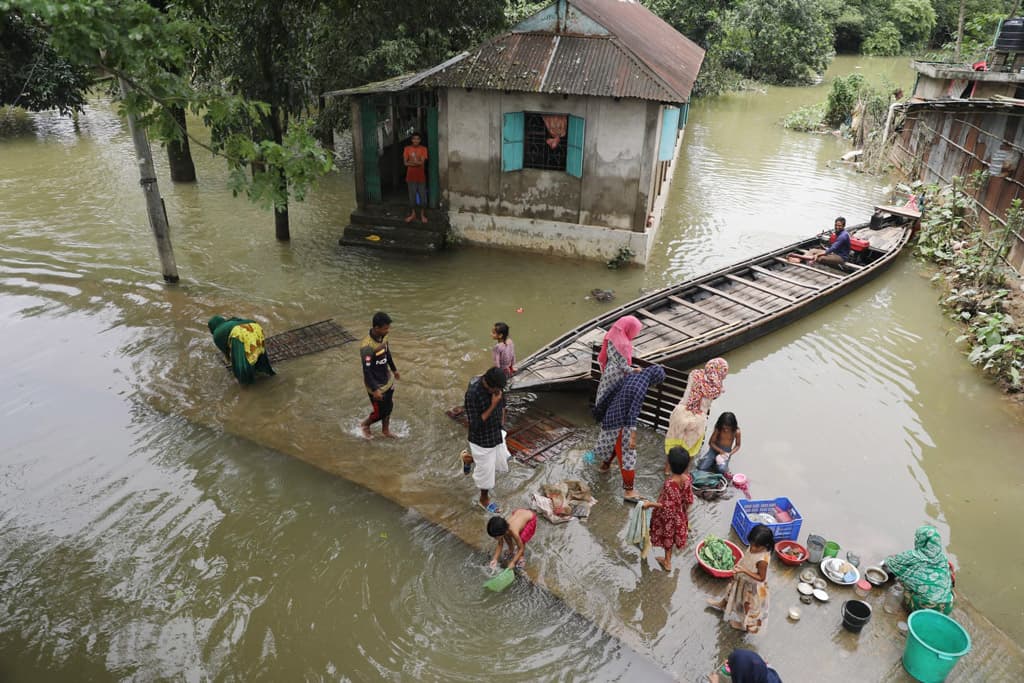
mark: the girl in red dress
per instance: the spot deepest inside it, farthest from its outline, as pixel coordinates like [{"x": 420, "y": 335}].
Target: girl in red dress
[{"x": 669, "y": 523}]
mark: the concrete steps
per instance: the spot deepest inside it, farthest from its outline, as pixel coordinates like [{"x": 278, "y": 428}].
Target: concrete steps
[
  {"x": 384, "y": 227},
  {"x": 404, "y": 238}
]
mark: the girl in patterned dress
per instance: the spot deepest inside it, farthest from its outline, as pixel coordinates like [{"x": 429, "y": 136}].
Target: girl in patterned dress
[
  {"x": 669, "y": 523},
  {"x": 746, "y": 600}
]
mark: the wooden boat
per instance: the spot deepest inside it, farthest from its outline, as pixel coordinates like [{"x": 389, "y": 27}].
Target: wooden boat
[{"x": 691, "y": 322}]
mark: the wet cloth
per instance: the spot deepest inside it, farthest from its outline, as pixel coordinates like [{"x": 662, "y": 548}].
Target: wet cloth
[
  {"x": 504, "y": 357},
  {"x": 689, "y": 419},
  {"x": 243, "y": 342},
  {"x": 746, "y": 603},
  {"x": 638, "y": 529},
  {"x": 924, "y": 572},
  {"x": 625, "y": 405},
  {"x": 670, "y": 525},
  {"x": 487, "y": 461},
  {"x": 748, "y": 667},
  {"x": 563, "y": 501}
]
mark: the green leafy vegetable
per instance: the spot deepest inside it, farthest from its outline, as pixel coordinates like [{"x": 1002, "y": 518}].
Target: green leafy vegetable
[{"x": 716, "y": 554}]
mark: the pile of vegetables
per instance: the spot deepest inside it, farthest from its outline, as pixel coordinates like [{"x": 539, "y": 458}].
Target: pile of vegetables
[{"x": 716, "y": 554}]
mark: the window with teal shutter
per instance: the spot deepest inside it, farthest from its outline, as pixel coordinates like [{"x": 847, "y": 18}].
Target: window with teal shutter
[
  {"x": 669, "y": 130},
  {"x": 512, "y": 141},
  {"x": 684, "y": 115},
  {"x": 574, "y": 158}
]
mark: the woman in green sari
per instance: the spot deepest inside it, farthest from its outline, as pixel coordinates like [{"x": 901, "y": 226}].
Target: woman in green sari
[
  {"x": 241, "y": 341},
  {"x": 925, "y": 573}
]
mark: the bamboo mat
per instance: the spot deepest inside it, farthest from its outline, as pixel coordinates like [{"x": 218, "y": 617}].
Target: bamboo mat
[{"x": 302, "y": 341}]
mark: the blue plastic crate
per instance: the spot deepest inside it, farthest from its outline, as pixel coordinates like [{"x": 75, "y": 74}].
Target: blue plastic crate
[{"x": 783, "y": 531}]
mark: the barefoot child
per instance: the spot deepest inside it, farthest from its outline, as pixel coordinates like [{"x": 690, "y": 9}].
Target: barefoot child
[
  {"x": 516, "y": 531},
  {"x": 723, "y": 444},
  {"x": 504, "y": 352},
  {"x": 669, "y": 523},
  {"x": 746, "y": 599}
]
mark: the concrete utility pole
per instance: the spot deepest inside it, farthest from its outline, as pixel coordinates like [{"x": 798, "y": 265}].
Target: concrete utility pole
[{"x": 151, "y": 191}]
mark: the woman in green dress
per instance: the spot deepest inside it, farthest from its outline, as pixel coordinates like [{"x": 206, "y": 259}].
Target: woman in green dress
[
  {"x": 925, "y": 573},
  {"x": 242, "y": 342}
]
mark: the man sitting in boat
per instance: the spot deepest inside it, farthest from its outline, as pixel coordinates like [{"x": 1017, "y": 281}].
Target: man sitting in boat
[{"x": 838, "y": 251}]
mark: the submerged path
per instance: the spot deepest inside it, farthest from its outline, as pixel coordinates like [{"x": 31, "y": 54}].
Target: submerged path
[{"x": 586, "y": 565}]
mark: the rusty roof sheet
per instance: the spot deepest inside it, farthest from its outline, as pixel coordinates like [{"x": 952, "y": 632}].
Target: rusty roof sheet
[
  {"x": 673, "y": 57},
  {"x": 557, "y": 64}
]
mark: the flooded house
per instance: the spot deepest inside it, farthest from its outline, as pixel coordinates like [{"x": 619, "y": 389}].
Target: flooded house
[
  {"x": 560, "y": 135},
  {"x": 963, "y": 119}
]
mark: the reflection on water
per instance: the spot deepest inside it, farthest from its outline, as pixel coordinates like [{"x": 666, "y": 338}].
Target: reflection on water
[{"x": 142, "y": 540}]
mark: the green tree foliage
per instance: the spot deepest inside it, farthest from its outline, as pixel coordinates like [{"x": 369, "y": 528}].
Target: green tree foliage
[
  {"x": 154, "y": 52},
  {"x": 883, "y": 42},
  {"x": 32, "y": 74},
  {"x": 790, "y": 42},
  {"x": 914, "y": 19}
]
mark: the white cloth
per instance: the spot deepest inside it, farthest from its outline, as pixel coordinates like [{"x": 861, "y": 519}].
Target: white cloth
[{"x": 488, "y": 461}]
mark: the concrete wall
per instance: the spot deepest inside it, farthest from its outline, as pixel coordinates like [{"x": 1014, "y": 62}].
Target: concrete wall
[{"x": 550, "y": 210}]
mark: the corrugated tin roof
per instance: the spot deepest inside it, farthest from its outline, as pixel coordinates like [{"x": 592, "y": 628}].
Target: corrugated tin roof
[
  {"x": 640, "y": 56},
  {"x": 557, "y": 64},
  {"x": 668, "y": 53}
]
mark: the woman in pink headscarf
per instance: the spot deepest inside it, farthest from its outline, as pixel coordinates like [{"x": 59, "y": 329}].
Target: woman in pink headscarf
[
  {"x": 689, "y": 419},
  {"x": 616, "y": 355}
]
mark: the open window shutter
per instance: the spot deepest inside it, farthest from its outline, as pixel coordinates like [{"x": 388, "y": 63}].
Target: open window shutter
[
  {"x": 684, "y": 115},
  {"x": 574, "y": 156},
  {"x": 512, "y": 126},
  {"x": 669, "y": 130}
]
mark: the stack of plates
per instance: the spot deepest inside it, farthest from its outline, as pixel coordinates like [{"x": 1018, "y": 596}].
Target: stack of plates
[{"x": 839, "y": 571}]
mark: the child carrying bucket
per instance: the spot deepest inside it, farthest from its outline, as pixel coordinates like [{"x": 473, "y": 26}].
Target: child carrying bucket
[
  {"x": 516, "y": 532},
  {"x": 745, "y": 604}
]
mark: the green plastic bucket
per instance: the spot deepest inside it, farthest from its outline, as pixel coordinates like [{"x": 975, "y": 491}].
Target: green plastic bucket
[
  {"x": 501, "y": 581},
  {"x": 935, "y": 643}
]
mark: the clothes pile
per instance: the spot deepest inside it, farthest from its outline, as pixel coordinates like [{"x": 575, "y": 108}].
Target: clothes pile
[{"x": 564, "y": 501}]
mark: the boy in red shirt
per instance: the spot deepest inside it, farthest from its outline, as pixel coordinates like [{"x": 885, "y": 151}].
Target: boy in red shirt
[{"x": 415, "y": 157}]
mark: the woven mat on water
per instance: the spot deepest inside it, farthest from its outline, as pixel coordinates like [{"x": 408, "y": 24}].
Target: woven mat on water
[
  {"x": 534, "y": 436},
  {"x": 313, "y": 338}
]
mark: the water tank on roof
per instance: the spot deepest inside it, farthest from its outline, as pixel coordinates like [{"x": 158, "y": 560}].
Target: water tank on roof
[{"x": 1011, "y": 35}]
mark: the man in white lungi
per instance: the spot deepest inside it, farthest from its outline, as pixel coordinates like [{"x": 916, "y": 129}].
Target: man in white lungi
[{"x": 485, "y": 409}]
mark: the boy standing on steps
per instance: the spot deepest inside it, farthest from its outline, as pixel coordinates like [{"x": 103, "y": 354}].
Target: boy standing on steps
[
  {"x": 379, "y": 374},
  {"x": 415, "y": 158}
]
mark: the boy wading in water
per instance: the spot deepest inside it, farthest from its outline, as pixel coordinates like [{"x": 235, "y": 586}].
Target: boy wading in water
[
  {"x": 516, "y": 532},
  {"x": 379, "y": 374}
]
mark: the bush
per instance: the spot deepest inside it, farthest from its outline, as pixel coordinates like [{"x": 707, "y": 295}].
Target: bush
[
  {"x": 884, "y": 42},
  {"x": 842, "y": 98},
  {"x": 790, "y": 41},
  {"x": 15, "y": 121},
  {"x": 809, "y": 119}
]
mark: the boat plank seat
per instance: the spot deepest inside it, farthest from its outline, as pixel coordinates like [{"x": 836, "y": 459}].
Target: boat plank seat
[
  {"x": 767, "y": 272},
  {"x": 810, "y": 268},
  {"x": 670, "y": 324},
  {"x": 855, "y": 267},
  {"x": 700, "y": 309},
  {"x": 717, "y": 292},
  {"x": 768, "y": 290}
]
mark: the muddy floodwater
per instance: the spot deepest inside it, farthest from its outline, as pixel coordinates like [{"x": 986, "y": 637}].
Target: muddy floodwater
[{"x": 157, "y": 521}]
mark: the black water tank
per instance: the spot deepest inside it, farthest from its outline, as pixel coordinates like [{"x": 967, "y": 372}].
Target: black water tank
[{"x": 1011, "y": 36}]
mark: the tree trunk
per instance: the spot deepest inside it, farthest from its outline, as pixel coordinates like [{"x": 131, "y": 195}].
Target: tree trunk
[
  {"x": 281, "y": 229},
  {"x": 179, "y": 154},
  {"x": 959, "y": 31},
  {"x": 151, "y": 191},
  {"x": 326, "y": 132}
]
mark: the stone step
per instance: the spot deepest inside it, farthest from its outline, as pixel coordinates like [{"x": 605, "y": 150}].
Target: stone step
[
  {"x": 438, "y": 219},
  {"x": 416, "y": 239}
]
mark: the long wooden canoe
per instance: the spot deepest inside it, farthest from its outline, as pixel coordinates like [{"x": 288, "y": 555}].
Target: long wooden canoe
[{"x": 688, "y": 323}]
